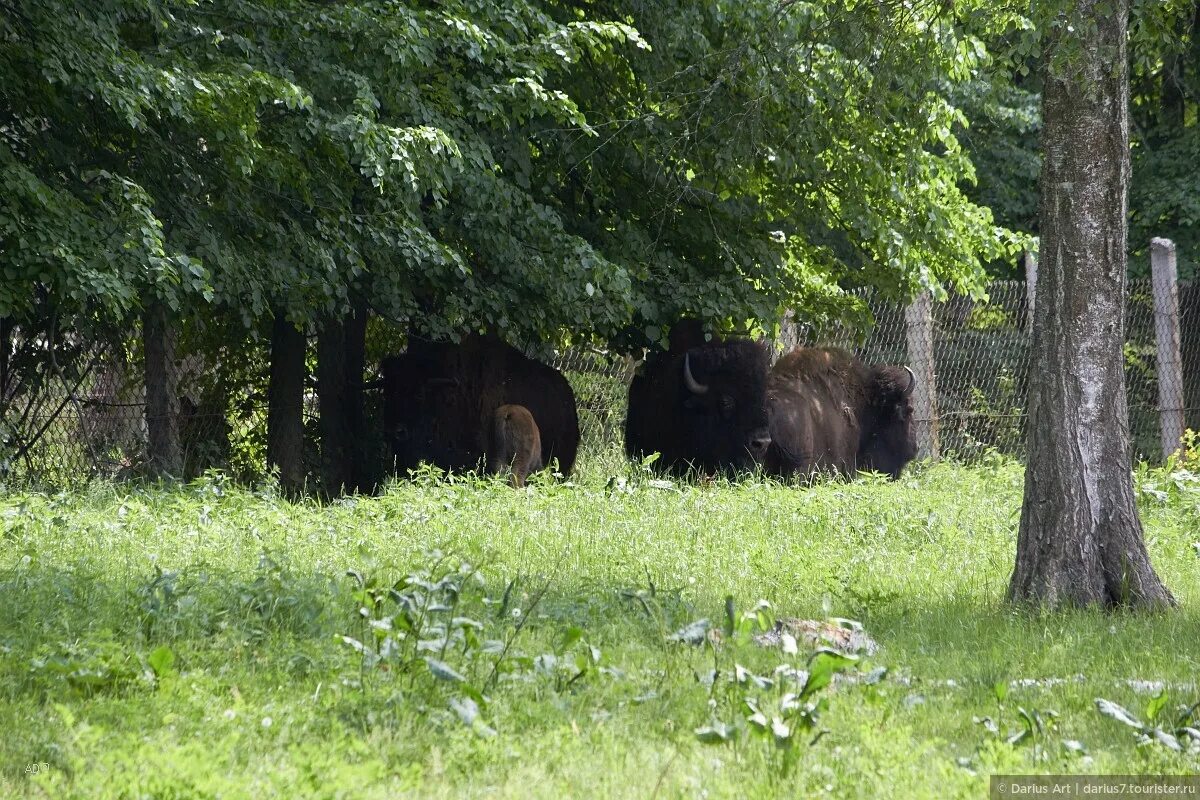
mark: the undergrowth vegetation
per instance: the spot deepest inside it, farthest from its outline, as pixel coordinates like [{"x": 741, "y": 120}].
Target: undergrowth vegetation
[{"x": 605, "y": 637}]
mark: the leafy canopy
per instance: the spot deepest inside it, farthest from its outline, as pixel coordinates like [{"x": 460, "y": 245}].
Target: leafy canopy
[{"x": 532, "y": 167}]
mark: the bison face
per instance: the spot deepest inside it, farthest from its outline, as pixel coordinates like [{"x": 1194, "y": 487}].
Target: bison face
[
  {"x": 723, "y": 394},
  {"x": 888, "y": 442}
]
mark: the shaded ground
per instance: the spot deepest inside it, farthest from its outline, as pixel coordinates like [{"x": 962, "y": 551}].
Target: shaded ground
[{"x": 206, "y": 641}]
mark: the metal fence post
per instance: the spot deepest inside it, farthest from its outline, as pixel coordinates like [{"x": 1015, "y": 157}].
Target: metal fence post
[
  {"x": 789, "y": 337},
  {"x": 1166, "y": 332},
  {"x": 1030, "y": 284},
  {"x": 918, "y": 318}
]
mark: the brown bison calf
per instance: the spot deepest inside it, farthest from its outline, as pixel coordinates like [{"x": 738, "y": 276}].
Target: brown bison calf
[{"x": 516, "y": 443}]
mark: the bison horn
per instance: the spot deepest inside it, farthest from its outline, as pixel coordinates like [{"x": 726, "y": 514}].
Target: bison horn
[
  {"x": 912, "y": 380},
  {"x": 693, "y": 385}
]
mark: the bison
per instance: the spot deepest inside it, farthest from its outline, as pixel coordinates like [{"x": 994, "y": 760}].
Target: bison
[
  {"x": 701, "y": 405},
  {"x": 516, "y": 444},
  {"x": 440, "y": 400},
  {"x": 831, "y": 413}
]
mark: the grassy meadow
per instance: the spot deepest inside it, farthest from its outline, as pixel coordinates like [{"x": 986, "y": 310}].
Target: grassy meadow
[{"x": 461, "y": 639}]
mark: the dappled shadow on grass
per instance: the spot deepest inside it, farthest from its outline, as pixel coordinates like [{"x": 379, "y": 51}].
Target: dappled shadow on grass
[
  {"x": 48, "y": 606},
  {"x": 71, "y": 630},
  {"x": 45, "y": 604},
  {"x": 274, "y": 639},
  {"x": 267, "y": 644},
  {"x": 76, "y": 622}
]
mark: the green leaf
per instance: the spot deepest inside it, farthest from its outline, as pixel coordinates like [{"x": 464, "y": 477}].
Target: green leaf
[
  {"x": 1159, "y": 736},
  {"x": 1020, "y": 737},
  {"x": 1074, "y": 747},
  {"x": 780, "y": 729},
  {"x": 822, "y": 666},
  {"x": 572, "y": 635},
  {"x": 1156, "y": 705},
  {"x": 743, "y": 675},
  {"x": 466, "y": 709},
  {"x": 161, "y": 660}
]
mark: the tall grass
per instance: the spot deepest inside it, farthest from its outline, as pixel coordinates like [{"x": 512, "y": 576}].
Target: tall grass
[{"x": 213, "y": 641}]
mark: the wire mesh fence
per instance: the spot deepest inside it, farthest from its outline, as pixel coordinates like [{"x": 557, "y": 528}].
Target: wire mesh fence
[
  {"x": 81, "y": 414},
  {"x": 976, "y": 356},
  {"x": 600, "y": 381}
]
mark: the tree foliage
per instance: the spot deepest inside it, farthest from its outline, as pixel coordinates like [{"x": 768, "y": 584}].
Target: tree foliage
[
  {"x": 1164, "y": 102},
  {"x": 529, "y": 167},
  {"x": 1001, "y": 107}
]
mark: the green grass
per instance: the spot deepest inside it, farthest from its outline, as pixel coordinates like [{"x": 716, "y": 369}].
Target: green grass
[{"x": 249, "y": 595}]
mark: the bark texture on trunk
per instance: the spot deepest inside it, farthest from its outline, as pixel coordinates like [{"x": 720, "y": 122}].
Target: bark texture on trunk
[
  {"x": 341, "y": 360},
  {"x": 6, "y": 335},
  {"x": 285, "y": 398},
  {"x": 1080, "y": 540},
  {"x": 164, "y": 455},
  {"x": 359, "y": 474},
  {"x": 331, "y": 394}
]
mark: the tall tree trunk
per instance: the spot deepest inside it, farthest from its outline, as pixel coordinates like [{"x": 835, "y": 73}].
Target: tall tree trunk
[
  {"x": 331, "y": 394},
  {"x": 6, "y": 333},
  {"x": 164, "y": 454},
  {"x": 285, "y": 399},
  {"x": 341, "y": 359},
  {"x": 360, "y": 472},
  {"x": 1080, "y": 541}
]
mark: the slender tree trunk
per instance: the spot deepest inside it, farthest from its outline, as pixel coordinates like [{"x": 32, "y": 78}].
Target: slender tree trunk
[
  {"x": 341, "y": 359},
  {"x": 1080, "y": 541},
  {"x": 331, "y": 393},
  {"x": 285, "y": 399},
  {"x": 6, "y": 332},
  {"x": 164, "y": 454},
  {"x": 360, "y": 475}
]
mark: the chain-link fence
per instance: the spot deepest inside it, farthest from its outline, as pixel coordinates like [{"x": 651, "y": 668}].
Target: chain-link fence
[
  {"x": 83, "y": 415},
  {"x": 978, "y": 354},
  {"x": 973, "y": 353},
  {"x": 70, "y": 416}
]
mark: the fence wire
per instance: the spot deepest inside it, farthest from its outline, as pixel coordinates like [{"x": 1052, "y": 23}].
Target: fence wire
[
  {"x": 81, "y": 414},
  {"x": 976, "y": 356}
]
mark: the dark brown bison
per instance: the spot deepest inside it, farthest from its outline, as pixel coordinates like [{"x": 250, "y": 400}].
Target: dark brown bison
[
  {"x": 832, "y": 413},
  {"x": 516, "y": 444},
  {"x": 702, "y": 405},
  {"x": 440, "y": 401}
]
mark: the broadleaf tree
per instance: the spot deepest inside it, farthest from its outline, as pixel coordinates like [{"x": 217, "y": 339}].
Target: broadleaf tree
[
  {"x": 1081, "y": 541},
  {"x": 540, "y": 169}
]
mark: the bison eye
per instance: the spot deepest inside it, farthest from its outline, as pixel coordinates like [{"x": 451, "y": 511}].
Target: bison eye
[{"x": 727, "y": 405}]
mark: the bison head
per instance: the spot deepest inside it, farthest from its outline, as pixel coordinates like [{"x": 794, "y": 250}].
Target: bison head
[
  {"x": 722, "y": 396},
  {"x": 888, "y": 442}
]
